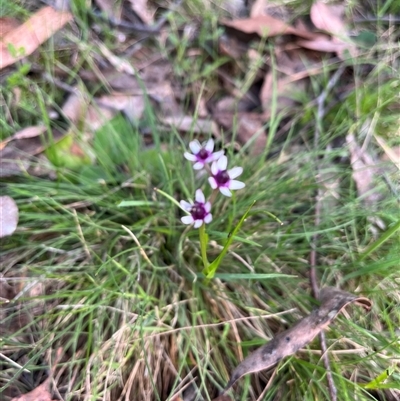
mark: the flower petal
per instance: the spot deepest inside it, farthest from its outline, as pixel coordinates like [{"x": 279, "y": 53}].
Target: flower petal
[
  {"x": 213, "y": 183},
  {"x": 200, "y": 196},
  {"x": 207, "y": 207},
  {"x": 186, "y": 205},
  {"x": 235, "y": 172},
  {"x": 198, "y": 223},
  {"x": 198, "y": 165},
  {"x": 209, "y": 145},
  {"x": 216, "y": 155},
  {"x": 195, "y": 146},
  {"x": 214, "y": 168},
  {"x": 187, "y": 219},
  {"x": 222, "y": 163},
  {"x": 225, "y": 191},
  {"x": 190, "y": 157},
  {"x": 234, "y": 184},
  {"x": 208, "y": 218}
]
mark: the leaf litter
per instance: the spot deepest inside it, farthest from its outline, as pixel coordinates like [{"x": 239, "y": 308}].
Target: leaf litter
[{"x": 304, "y": 331}]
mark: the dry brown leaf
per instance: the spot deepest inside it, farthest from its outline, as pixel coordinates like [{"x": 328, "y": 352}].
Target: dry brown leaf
[
  {"x": 364, "y": 172},
  {"x": 26, "y": 38},
  {"x": 42, "y": 392},
  {"x": 304, "y": 331},
  {"x": 132, "y": 106},
  {"x": 266, "y": 26},
  {"x": 8, "y": 216},
  {"x": 324, "y": 45},
  {"x": 29, "y": 132},
  {"x": 327, "y": 18},
  {"x": 92, "y": 116},
  {"x": 75, "y": 107},
  {"x": 7, "y": 24},
  {"x": 189, "y": 124},
  {"x": 16, "y": 156},
  {"x": 141, "y": 8}
]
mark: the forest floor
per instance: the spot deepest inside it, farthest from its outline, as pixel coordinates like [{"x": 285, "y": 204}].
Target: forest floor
[{"x": 105, "y": 293}]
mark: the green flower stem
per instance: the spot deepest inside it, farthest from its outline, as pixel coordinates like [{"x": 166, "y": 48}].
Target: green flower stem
[{"x": 203, "y": 245}]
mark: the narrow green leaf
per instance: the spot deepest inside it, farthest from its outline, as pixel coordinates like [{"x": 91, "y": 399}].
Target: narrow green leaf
[
  {"x": 383, "y": 238},
  {"x": 209, "y": 272},
  {"x": 252, "y": 276},
  {"x": 131, "y": 203}
]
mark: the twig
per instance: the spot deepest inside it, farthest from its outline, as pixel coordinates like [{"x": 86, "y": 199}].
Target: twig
[{"x": 313, "y": 254}]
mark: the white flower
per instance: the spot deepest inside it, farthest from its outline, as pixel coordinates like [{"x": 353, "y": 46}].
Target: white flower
[
  {"x": 223, "y": 179},
  {"x": 199, "y": 210},
  {"x": 202, "y": 154}
]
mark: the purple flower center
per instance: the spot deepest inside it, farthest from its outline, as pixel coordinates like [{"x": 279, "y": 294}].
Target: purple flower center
[
  {"x": 222, "y": 177},
  {"x": 198, "y": 211},
  {"x": 203, "y": 154}
]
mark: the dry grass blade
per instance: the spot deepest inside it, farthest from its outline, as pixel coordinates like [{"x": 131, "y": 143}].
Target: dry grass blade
[{"x": 304, "y": 331}]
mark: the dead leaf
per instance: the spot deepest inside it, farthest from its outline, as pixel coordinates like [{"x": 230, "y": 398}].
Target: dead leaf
[
  {"x": 75, "y": 107},
  {"x": 140, "y": 7},
  {"x": 132, "y": 106},
  {"x": 304, "y": 331},
  {"x": 29, "y": 132},
  {"x": 266, "y": 26},
  {"x": 91, "y": 116},
  {"x": 364, "y": 172},
  {"x": 17, "y": 155},
  {"x": 189, "y": 124},
  {"x": 42, "y": 392},
  {"x": 327, "y": 18},
  {"x": 7, "y": 24},
  {"x": 26, "y": 38},
  {"x": 324, "y": 45},
  {"x": 8, "y": 216}
]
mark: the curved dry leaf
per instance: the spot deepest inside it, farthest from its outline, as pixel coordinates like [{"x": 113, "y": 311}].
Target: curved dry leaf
[
  {"x": 324, "y": 45},
  {"x": 326, "y": 18},
  {"x": 26, "y": 38},
  {"x": 25, "y": 133},
  {"x": 7, "y": 24},
  {"x": 8, "y": 216},
  {"x": 42, "y": 392},
  {"x": 141, "y": 8},
  {"x": 266, "y": 26},
  {"x": 304, "y": 331}
]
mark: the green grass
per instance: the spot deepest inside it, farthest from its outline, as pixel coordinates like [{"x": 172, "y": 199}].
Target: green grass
[{"x": 138, "y": 322}]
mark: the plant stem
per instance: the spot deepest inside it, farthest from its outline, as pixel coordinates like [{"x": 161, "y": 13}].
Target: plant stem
[{"x": 203, "y": 245}]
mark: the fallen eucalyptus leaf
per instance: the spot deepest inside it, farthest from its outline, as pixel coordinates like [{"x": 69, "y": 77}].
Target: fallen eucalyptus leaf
[
  {"x": 8, "y": 216},
  {"x": 304, "y": 331}
]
